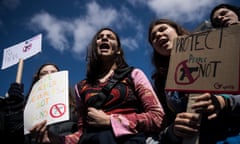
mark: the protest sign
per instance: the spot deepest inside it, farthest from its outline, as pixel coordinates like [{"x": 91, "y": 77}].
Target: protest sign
[
  {"x": 207, "y": 61},
  {"x": 48, "y": 100},
  {"x": 22, "y": 50}
]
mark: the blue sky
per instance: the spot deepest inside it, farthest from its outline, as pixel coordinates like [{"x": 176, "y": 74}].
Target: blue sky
[{"x": 67, "y": 26}]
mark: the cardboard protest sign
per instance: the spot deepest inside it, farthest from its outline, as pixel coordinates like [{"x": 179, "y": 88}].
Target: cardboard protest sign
[
  {"x": 22, "y": 50},
  {"x": 207, "y": 61},
  {"x": 48, "y": 100}
]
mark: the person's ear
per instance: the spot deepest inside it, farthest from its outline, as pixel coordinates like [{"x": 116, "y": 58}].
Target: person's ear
[{"x": 118, "y": 52}]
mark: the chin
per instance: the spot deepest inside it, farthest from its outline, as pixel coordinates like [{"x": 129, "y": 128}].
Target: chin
[
  {"x": 165, "y": 53},
  {"x": 169, "y": 48}
]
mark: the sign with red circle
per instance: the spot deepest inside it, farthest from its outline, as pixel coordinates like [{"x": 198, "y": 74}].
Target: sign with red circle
[{"x": 58, "y": 110}]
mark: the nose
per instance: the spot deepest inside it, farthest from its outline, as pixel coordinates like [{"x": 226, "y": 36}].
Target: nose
[
  {"x": 159, "y": 34},
  {"x": 104, "y": 38},
  {"x": 220, "y": 17}
]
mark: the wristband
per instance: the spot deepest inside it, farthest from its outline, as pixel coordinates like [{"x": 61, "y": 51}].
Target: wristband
[{"x": 226, "y": 98}]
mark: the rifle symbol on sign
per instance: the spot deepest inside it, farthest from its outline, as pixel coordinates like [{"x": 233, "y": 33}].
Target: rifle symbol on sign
[{"x": 186, "y": 72}]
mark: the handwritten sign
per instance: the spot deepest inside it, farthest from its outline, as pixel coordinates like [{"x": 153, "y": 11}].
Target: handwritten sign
[
  {"x": 22, "y": 50},
  {"x": 48, "y": 100},
  {"x": 207, "y": 61}
]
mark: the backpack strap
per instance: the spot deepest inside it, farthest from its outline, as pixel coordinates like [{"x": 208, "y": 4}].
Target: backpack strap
[
  {"x": 118, "y": 76},
  {"x": 99, "y": 99}
]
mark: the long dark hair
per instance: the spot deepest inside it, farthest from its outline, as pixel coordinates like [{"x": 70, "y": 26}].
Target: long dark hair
[
  {"x": 161, "y": 64},
  {"x": 95, "y": 64},
  {"x": 159, "y": 61},
  {"x": 216, "y": 23}
]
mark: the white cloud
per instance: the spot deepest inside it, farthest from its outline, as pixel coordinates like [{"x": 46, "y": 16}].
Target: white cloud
[
  {"x": 82, "y": 35},
  {"x": 100, "y": 16},
  {"x": 130, "y": 43},
  {"x": 82, "y": 28},
  {"x": 56, "y": 30},
  {"x": 86, "y": 26},
  {"x": 131, "y": 23},
  {"x": 182, "y": 10}
]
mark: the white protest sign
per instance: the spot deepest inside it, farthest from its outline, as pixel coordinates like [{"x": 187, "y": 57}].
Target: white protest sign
[
  {"x": 22, "y": 50},
  {"x": 48, "y": 100}
]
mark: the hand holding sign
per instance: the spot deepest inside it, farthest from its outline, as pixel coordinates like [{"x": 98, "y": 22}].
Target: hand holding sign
[{"x": 48, "y": 100}]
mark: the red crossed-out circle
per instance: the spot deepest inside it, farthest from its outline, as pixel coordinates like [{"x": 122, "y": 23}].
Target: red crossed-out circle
[{"x": 58, "y": 110}]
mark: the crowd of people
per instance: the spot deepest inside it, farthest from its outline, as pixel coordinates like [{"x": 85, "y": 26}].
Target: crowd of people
[{"x": 117, "y": 104}]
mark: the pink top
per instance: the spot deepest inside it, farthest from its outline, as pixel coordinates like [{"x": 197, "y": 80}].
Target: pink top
[{"x": 131, "y": 123}]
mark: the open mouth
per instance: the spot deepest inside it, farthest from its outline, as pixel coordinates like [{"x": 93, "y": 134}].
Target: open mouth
[
  {"x": 162, "y": 42},
  {"x": 104, "y": 46},
  {"x": 226, "y": 22}
]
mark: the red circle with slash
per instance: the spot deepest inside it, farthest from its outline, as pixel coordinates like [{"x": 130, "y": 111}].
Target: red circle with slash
[{"x": 58, "y": 110}]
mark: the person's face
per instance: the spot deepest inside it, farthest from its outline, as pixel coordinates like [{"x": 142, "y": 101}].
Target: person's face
[
  {"x": 107, "y": 44},
  {"x": 162, "y": 36},
  {"x": 225, "y": 17},
  {"x": 48, "y": 69}
]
